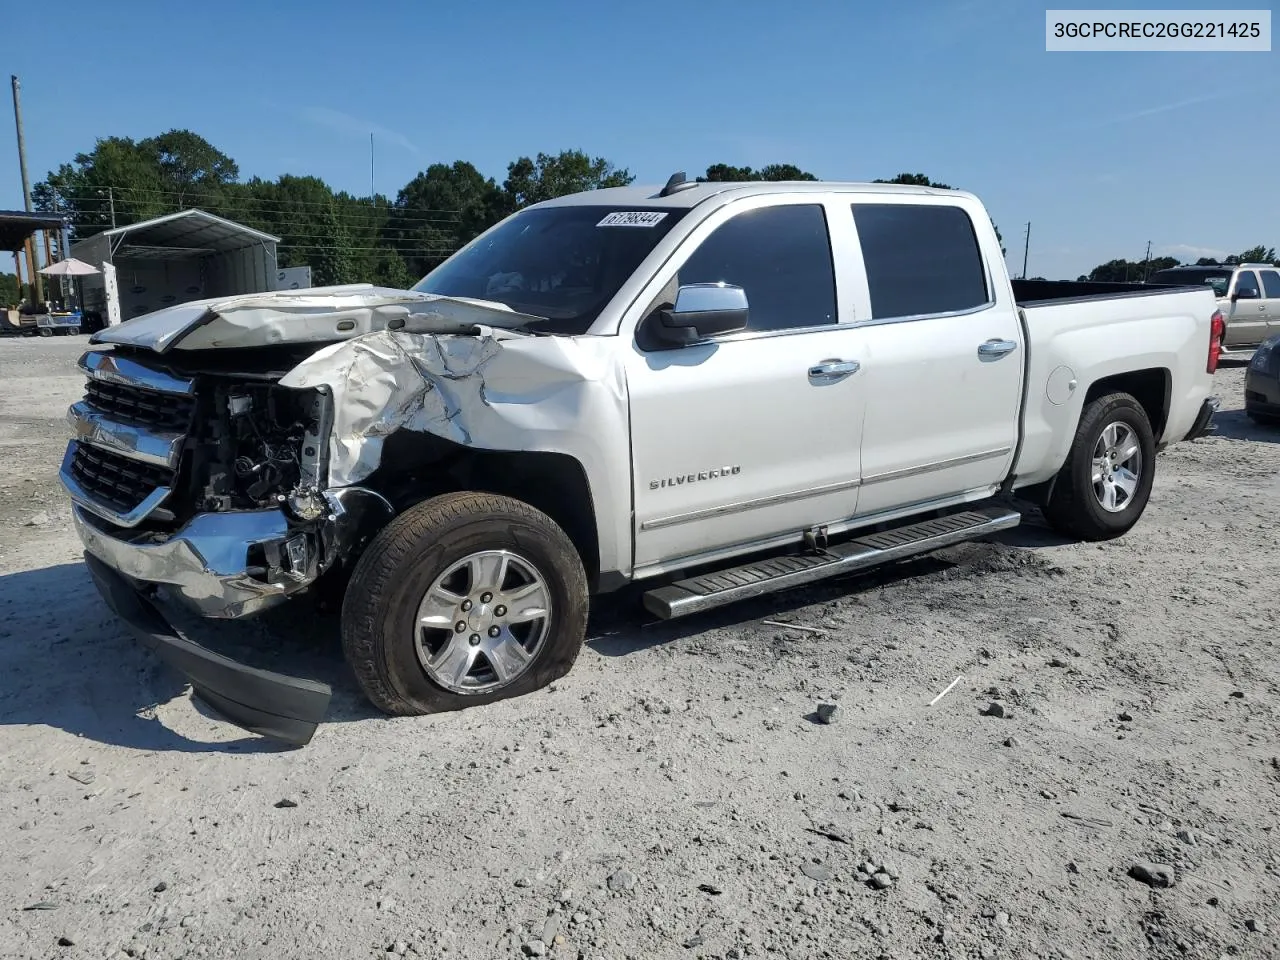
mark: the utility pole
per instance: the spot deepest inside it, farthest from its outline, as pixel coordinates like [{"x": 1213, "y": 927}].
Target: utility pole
[
  {"x": 66, "y": 285},
  {"x": 26, "y": 182},
  {"x": 1026, "y": 251},
  {"x": 22, "y": 143},
  {"x": 1146, "y": 263},
  {"x": 372, "y": 193},
  {"x": 111, "y": 199}
]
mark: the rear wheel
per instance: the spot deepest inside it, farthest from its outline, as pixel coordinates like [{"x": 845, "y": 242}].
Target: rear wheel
[
  {"x": 462, "y": 600},
  {"x": 1105, "y": 484},
  {"x": 46, "y": 332}
]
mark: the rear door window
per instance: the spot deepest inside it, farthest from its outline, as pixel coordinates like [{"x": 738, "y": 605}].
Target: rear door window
[
  {"x": 1271, "y": 284},
  {"x": 1247, "y": 284},
  {"x": 921, "y": 259}
]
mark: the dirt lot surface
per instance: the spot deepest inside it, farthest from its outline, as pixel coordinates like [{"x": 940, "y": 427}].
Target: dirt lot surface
[{"x": 675, "y": 796}]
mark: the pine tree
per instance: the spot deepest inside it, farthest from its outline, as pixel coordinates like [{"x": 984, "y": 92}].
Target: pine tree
[{"x": 336, "y": 263}]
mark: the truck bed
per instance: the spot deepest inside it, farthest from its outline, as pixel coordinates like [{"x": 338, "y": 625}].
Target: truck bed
[
  {"x": 1081, "y": 332},
  {"x": 1046, "y": 292}
]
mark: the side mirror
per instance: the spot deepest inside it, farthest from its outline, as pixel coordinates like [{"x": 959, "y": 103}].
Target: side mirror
[
  {"x": 702, "y": 310},
  {"x": 1246, "y": 294}
]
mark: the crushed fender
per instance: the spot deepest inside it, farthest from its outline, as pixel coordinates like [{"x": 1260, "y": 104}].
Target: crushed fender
[{"x": 443, "y": 384}]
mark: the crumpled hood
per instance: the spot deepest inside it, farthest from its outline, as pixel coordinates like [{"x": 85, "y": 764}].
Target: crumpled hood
[{"x": 317, "y": 315}]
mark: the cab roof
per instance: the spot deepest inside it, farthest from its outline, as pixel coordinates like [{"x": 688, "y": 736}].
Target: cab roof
[{"x": 692, "y": 193}]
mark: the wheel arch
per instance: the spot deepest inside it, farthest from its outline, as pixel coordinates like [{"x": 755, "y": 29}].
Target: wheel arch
[
  {"x": 1151, "y": 387},
  {"x": 417, "y": 466}
]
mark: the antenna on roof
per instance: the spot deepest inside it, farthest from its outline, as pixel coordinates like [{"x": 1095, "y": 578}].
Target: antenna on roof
[{"x": 677, "y": 182}]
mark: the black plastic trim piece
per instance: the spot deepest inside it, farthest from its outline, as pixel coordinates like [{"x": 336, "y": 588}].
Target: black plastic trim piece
[{"x": 288, "y": 709}]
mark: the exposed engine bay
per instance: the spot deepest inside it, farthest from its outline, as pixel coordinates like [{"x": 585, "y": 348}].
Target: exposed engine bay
[
  {"x": 256, "y": 434},
  {"x": 259, "y": 445}
]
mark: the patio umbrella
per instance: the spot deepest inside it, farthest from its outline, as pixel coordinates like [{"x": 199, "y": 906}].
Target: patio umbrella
[{"x": 70, "y": 267}]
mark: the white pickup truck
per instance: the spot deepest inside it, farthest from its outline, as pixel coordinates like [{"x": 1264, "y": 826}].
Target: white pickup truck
[{"x": 717, "y": 389}]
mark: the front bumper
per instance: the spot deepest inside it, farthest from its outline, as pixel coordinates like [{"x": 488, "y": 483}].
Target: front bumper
[
  {"x": 228, "y": 565},
  {"x": 221, "y": 565},
  {"x": 283, "y": 708},
  {"x": 1262, "y": 391}
]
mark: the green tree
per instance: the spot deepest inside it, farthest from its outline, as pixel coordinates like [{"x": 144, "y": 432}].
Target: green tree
[
  {"x": 116, "y": 181},
  {"x": 1159, "y": 263},
  {"x": 137, "y": 180},
  {"x": 190, "y": 168},
  {"x": 1259, "y": 254},
  {"x": 920, "y": 180},
  {"x": 335, "y": 259},
  {"x": 1129, "y": 271},
  {"x": 440, "y": 210},
  {"x": 8, "y": 290},
  {"x": 293, "y": 208},
  {"x": 724, "y": 173},
  {"x": 547, "y": 177},
  {"x": 392, "y": 271},
  {"x": 916, "y": 180}
]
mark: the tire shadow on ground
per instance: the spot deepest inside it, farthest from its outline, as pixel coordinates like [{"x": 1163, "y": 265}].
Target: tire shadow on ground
[
  {"x": 67, "y": 662},
  {"x": 1236, "y": 425}
]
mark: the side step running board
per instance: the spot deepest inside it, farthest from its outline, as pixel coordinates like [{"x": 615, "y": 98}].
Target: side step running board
[{"x": 711, "y": 590}]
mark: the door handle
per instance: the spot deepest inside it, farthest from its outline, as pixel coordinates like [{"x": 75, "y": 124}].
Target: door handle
[
  {"x": 996, "y": 348},
  {"x": 831, "y": 371}
]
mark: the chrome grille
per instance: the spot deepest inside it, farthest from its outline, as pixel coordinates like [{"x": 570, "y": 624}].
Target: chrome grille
[
  {"x": 115, "y": 481},
  {"x": 140, "y": 407},
  {"x": 130, "y": 430}
]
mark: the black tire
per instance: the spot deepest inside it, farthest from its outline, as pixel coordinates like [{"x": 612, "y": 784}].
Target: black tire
[
  {"x": 1072, "y": 508},
  {"x": 73, "y": 331},
  {"x": 401, "y": 563},
  {"x": 46, "y": 332}
]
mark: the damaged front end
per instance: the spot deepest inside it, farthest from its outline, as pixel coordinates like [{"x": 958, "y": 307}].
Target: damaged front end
[
  {"x": 226, "y": 453},
  {"x": 206, "y": 484}
]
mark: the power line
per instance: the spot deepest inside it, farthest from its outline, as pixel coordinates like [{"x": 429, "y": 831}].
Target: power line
[
  {"x": 361, "y": 216},
  {"x": 338, "y": 200}
]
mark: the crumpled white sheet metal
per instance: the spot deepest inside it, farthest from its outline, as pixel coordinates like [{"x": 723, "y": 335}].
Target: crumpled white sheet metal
[
  {"x": 499, "y": 390},
  {"x": 384, "y": 382},
  {"x": 317, "y": 315}
]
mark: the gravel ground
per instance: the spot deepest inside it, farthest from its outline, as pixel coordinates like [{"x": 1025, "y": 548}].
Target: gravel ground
[{"x": 676, "y": 795}]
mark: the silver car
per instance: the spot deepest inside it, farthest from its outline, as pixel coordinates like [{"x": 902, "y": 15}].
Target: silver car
[{"x": 1248, "y": 298}]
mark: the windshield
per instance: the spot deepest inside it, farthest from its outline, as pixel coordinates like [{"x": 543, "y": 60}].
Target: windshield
[
  {"x": 562, "y": 263},
  {"x": 1217, "y": 278}
]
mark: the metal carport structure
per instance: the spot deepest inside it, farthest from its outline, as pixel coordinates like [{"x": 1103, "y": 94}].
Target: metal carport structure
[
  {"x": 17, "y": 228},
  {"x": 189, "y": 255}
]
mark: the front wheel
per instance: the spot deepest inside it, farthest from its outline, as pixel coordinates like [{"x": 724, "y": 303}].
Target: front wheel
[
  {"x": 1104, "y": 486},
  {"x": 462, "y": 600}
]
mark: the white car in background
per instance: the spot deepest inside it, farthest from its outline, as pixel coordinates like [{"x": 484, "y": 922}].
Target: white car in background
[{"x": 1248, "y": 298}]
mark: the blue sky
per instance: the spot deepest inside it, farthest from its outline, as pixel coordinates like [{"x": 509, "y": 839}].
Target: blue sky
[{"x": 1101, "y": 152}]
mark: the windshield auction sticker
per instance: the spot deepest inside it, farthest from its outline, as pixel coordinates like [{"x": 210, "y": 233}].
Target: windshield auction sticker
[{"x": 634, "y": 218}]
